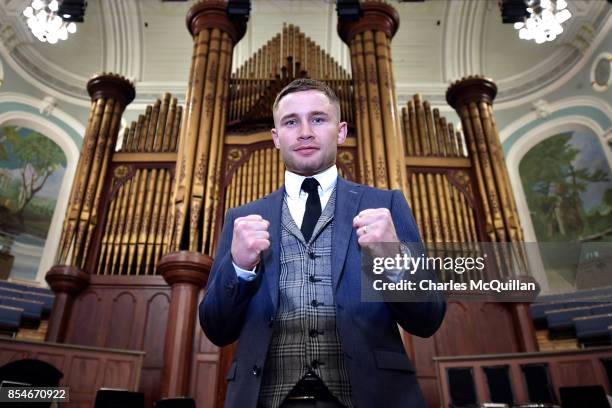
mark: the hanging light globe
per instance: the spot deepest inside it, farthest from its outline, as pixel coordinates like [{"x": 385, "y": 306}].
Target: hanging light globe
[{"x": 44, "y": 22}]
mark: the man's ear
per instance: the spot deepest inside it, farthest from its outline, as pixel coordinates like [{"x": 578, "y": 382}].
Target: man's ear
[
  {"x": 342, "y": 131},
  {"x": 275, "y": 137}
]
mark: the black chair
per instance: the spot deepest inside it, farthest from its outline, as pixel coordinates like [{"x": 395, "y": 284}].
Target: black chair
[
  {"x": 30, "y": 372},
  {"x": 113, "y": 398},
  {"x": 461, "y": 387},
  {"x": 498, "y": 381},
  {"x": 586, "y": 396},
  {"x": 175, "y": 403},
  {"x": 33, "y": 372},
  {"x": 539, "y": 386}
]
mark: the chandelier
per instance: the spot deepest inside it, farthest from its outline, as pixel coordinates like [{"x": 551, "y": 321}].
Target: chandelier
[
  {"x": 45, "y": 23},
  {"x": 544, "y": 21}
]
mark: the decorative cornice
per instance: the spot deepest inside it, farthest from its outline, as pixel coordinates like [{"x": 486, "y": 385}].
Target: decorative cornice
[
  {"x": 375, "y": 16},
  {"x": 107, "y": 85},
  {"x": 471, "y": 89},
  {"x": 213, "y": 14}
]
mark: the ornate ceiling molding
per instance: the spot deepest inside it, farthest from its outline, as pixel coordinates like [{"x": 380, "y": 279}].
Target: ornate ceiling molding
[
  {"x": 122, "y": 34},
  {"x": 463, "y": 39},
  {"x": 123, "y": 40}
]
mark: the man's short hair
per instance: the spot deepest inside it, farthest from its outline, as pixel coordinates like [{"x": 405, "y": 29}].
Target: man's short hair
[{"x": 307, "y": 84}]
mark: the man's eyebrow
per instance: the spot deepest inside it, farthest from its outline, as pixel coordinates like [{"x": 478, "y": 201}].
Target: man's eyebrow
[
  {"x": 295, "y": 115},
  {"x": 318, "y": 113},
  {"x": 288, "y": 116}
]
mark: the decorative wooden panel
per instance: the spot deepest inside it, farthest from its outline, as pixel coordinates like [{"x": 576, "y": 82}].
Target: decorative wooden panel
[
  {"x": 126, "y": 312},
  {"x": 86, "y": 369}
]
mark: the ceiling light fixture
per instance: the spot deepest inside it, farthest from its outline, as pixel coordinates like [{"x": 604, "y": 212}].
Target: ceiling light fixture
[
  {"x": 45, "y": 23},
  {"x": 544, "y": 21}
]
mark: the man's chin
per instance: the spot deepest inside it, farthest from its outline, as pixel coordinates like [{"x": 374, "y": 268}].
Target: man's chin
[{"x": 305, "y": 169}]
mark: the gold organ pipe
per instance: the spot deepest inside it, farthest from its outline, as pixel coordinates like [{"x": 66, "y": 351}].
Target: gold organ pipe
[
  {"x": 431, "y": 133},
  {"x": 423, "y": 194},
  {"x": 422, "y": 129},
  {"x": 127, "y": 214},
  {"x": 106, "y": 237},
  {"x": 80, "y": 183},
  {"x": 78, "y": 256},
  {"x": 365, "y": 175},
  {"x": 216, "y": 148},
  {"x": 167, "y": 130},
  {"x": 475, "y": 155},
  {"x": 160, "y": 237},
  {"x": 107, "y": 154},
  {"x": 443, "y": 212},
  {"x": 394, "y": 152},
  {"x": 161, "y": 123},
  {"x": 139, "y": 203},
  {"x": 146, "y": 222},
  {"x": 144, "y": 131},
  {"x": 152, "y": 126},
  {"x": 434, "y": 213},
  {"x": 157, "y": 197},
  {"x": 189, "y": 137},
  {"x": 176, "y": 129},
  {"x": 205, "y": 134},
  {"x": 452, "y": 221},
  {"x": 414, "y": 130},
  {"x": 440, "y": 134},
  {"x": 369, "y": 162}
]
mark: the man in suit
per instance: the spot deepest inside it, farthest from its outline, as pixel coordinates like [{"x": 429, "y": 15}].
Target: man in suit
[{"x": 286, "y": 281}]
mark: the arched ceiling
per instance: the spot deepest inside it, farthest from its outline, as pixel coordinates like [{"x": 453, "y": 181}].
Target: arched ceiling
[{"x": 438, "y": 41}]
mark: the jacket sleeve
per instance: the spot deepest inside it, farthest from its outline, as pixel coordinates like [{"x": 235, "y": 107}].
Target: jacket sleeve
[
  {"x": 225, "y": 303},
  {"x": 422, "y": 317}
]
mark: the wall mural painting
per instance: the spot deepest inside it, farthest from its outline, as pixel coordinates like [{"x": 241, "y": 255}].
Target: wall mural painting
[
  {"x": 568, "y": 187},
  {"x": 32, "y": 168}
]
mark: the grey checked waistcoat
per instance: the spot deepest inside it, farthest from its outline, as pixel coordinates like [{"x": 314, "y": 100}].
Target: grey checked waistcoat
[{"x": 305, "y": 322}]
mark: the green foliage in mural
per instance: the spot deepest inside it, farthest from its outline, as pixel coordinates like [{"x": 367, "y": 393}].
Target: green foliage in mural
[
  {"x": 27, "y": 161},
  {"x": 555, "y": 188}
]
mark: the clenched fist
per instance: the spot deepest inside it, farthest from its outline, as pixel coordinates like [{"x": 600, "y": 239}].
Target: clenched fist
[
  {"x": 375, "y": 225},
  {"x": 250, "y": 238}
]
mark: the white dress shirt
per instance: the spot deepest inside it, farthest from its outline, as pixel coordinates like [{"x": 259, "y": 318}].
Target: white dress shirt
[{"x": 296, "y": 201}]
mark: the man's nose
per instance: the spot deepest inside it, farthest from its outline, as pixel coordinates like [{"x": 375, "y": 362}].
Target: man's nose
[{"x": 306, "y": 131}]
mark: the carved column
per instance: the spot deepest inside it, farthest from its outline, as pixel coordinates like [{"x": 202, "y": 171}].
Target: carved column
[
  {"x": 67, "y": 282},
  {"x": 380, "y": 148},
  {"x": 196, "y": 193},
  {"x": 197, "y": 187},
  {"x": 472, "y": 98},
  {"x": 186, "y": 272},
  {"x": 110, "y": 94}
]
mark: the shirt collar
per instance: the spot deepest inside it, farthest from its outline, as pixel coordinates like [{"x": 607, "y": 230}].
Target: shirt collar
[{"x": 327, "y": 180}]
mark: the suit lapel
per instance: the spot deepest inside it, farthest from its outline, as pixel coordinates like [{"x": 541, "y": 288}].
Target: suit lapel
[
  {"x": 348, "y": 196},
  {"x": 271, "y": 258}
]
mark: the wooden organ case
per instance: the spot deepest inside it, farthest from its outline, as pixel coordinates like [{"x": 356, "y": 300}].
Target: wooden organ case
[{"x": 143, "y": 218}]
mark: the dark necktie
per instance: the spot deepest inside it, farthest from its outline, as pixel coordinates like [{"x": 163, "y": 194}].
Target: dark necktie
[{"x": 313, "y": 207}]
